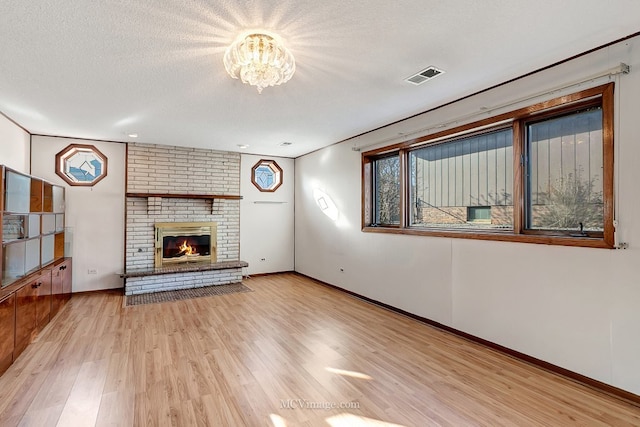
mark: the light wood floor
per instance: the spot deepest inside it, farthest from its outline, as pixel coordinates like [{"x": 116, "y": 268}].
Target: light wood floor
[{"x": 277, "y": 357}]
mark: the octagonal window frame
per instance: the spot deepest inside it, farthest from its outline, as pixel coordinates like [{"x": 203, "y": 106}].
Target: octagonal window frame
[
  {"x": 63, "y": 165},
  {"x": 277, "y": 175}
]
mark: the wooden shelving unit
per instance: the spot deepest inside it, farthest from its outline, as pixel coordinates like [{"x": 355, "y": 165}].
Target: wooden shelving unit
[
  {"x": 36, "y": 278},
  {"x": 32, "y": 224}
]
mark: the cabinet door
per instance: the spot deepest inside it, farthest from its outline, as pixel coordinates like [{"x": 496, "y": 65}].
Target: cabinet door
[
  {"x": 56, "y": 290},
  {"x": 43, "y": 303},
  {"x": 26, "y": 298},
  {"x": 8, "y": 322},
  {"x": 66, "y": 279}
]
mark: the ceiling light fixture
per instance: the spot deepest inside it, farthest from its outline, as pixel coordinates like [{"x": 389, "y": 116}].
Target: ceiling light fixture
[{"x": 259, "y": 60}]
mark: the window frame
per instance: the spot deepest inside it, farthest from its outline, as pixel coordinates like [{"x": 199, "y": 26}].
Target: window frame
[
  {"x": 72, "y": 150},
  {"x": 401, "y": 222},
  {"x": 277, "y": 175},
  {"x": 602, "y": 96}
]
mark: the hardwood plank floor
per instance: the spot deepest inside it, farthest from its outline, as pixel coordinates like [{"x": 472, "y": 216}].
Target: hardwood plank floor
[{"x": 280, "y": 356}]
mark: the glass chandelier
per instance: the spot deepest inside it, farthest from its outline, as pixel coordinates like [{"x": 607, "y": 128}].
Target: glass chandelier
[{"x": 259, "y": 60}]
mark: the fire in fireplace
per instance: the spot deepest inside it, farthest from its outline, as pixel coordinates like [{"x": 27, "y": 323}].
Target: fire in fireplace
[{"x": 185, "y": 242}]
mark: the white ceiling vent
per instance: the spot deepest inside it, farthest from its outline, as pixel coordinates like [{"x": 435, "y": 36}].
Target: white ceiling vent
[{"x": 424, "y": 75}]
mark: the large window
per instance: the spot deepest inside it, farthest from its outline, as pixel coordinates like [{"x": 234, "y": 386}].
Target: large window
[{"x": 541, "y": 174}]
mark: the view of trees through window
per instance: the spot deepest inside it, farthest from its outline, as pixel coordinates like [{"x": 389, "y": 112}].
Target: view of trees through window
[{"x": 387, "y": 193}]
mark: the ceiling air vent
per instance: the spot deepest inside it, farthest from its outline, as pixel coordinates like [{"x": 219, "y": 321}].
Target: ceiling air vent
[{"x": 424, "y": 75}]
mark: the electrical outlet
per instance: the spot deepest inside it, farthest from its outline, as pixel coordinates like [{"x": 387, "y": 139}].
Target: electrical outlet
[{"x": 92, "y": 271}]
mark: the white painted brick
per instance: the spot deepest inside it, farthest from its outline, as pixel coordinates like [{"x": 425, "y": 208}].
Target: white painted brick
[{"x": 153, "y": 168}]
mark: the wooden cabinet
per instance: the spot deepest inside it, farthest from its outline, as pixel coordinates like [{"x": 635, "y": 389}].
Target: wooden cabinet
[
  {"x": 7, "y": 331},
  {"x": 36, "y": 278},
  {"x": 33, "y": 309}
]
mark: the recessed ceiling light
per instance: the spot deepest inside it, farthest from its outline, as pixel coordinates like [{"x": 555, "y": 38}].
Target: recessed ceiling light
[
  {"x": 243, "y": 146},
  {"x": 132, "y": 135},
  {"x": 286, "y": 144}
]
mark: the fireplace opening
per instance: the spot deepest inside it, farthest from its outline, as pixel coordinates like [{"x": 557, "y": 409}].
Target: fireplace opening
[
  {"x": 190, "y": 248},
  {"x": 185, "y": 242}
]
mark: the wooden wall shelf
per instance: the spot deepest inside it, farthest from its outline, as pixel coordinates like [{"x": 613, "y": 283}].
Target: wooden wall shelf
[{"x": 186, "y": 196}]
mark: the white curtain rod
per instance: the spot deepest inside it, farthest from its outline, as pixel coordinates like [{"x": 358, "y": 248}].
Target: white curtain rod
[{"x": 620, "y": 69}]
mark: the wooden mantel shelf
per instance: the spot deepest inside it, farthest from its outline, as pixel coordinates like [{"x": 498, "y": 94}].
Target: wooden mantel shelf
[{"x": 186, "y": 196}]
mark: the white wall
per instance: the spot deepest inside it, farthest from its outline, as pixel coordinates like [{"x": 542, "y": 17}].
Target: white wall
[
  {"x": 266, "y": 219},
  {"x": 574, "y": 307},
  {"x": 14, "y": 145},
  {"x": 94, "y": 216}
]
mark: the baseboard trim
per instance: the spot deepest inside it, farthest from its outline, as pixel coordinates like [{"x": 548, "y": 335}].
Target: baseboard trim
[
  {"x": 608, "y": 389},
  {"x": 119, "y": 290},
  {"x": 267, "y": 274}
]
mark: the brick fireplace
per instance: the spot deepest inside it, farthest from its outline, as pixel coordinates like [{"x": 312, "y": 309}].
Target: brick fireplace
[{"x": 181, "y": 175}]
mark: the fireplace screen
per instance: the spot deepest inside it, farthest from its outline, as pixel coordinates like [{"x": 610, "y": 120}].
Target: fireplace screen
[{"x": 185, "y": 242}]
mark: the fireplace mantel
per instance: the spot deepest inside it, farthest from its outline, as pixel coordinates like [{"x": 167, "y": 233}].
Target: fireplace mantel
[
  {"x": 186, "y": 196},
  {"x": 157, "y": 198}
]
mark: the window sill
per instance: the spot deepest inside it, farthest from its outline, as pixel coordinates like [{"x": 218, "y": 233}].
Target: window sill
[{"x": 504, "y": 236}]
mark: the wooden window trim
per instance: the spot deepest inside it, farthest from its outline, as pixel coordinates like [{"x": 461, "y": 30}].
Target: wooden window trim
[
  {"x": 372, "y": 172},
  {"x": 60, "y": 171},
  {"x": 522, "y": 182},
  {"x": 602, "y": 95},
  {"x": 271, "y": 164}
]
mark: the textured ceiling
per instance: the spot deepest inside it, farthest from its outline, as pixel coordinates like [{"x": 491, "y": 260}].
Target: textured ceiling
[{"x": 102, "y": 70}]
